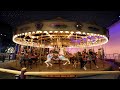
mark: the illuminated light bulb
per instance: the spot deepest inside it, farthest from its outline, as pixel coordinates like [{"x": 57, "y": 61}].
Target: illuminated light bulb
[
  {"x": 33, "y": 32},
  {"x": 40, "y": 31},
  {"x": 61, "y": 31},
  {"x": 37, "y": 31},
  {"x": 50, "y": 31},
  {"x": 20, "y": 34},
  {"x": 66, "y": 31},
  {"x": 84, "y": 33},
  {"x": 103, "y": 35},
  {"x": 15, "y": 36},
  {"x": 78, "y": 32},
  {"x": 72, "y": 32},
  {"x": 91, "y": 34},
  {"x": 45, "y": 32},
  {"x": 55, "y": 31},
  {"x": 25, "y": 33},
  {"x": 29, "y": 32},
  {"x": 88, "y": 33},
  {"x": 98, "y": 34}
]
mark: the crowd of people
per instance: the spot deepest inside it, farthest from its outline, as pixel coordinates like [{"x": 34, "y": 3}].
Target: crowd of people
[{"x": 84, "y": 57}]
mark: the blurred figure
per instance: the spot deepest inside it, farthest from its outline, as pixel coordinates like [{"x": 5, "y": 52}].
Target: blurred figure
[{"x": 48, "y": 61}]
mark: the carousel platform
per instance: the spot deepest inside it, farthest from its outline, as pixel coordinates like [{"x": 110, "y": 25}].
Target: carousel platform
[
  {"x": 60, "y": 70},
  {"x": 41, "y": 67}
]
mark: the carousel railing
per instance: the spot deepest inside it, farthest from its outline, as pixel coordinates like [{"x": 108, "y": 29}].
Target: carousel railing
[{"x": 23, "y": 73}]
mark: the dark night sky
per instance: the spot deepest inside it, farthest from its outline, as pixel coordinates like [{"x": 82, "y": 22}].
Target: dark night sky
[
  {"x": 103, "y": 18},
  {"x": 10, "y": 19}
]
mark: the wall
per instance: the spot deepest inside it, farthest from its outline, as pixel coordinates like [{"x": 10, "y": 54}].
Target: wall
[{"x": 113, "y": 46}]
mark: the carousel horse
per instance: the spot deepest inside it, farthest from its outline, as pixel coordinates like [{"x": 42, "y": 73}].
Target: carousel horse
[
  {"x": 61, "y": 57},
  {"x": 48, "y": 61}
]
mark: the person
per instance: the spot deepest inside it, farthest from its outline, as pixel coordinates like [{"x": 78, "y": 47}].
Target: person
[
  {"x": 49, "y": 57},
  {"x": 99, "y": 53},
  {"x": 22, "y": 56},
  {"x": 102, "y": 54},
  {"x": 61, "y": 51},
  {"x": 3, "y": 57},
  {"x": 84, "y": 58},
  {"x": 80, "y": 59},
  {"x": 92, "y": 57},
  {"x": 9, "y": 56}
]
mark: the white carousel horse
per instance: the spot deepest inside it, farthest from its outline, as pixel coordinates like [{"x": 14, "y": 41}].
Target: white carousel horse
[
  {"x": 61, "y": 57},
  {"x": 48, "y": 61}
]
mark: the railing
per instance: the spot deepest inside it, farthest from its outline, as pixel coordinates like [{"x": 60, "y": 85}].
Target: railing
[
  {"x": 24, "y": 73},
  {"x": 115, "y": 56}
]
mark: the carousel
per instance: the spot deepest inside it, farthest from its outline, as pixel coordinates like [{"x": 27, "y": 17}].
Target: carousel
[{"x": 55, "y": 41}]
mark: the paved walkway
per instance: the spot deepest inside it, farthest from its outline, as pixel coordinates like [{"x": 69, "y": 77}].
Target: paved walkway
[{"x": 10, "y": 76}]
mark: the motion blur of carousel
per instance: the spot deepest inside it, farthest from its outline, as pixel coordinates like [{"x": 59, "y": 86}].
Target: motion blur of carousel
[{"x": 60, "y": 45}]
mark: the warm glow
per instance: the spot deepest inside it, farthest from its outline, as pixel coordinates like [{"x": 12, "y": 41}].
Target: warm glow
[
  {"x": 45, "y": 32},
  {"x": 84, "y": 33},
  {"x": 33, "y": 32},
  {"x": 61, "y": 31},
  {"x": 55, "y": 31},
  {"x": 66, "y": 31},
  {"x": 50, "y": 31},
  {"x": 72, "y": 32},
  {"x": 51, "y": 35},
  {"x": 25, "y": 33}
]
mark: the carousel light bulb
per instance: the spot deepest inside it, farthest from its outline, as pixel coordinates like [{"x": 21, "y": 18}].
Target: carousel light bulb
[
  {"x": 72, "y": 32},
  {"x": 84, "y": 33},
  {"x": 55, "y": 31},
  {"x": 40, "y": 31},
  {"x": 15, "y": 36},
  {"x": 29, "y": 32},
  {"x": 88, "y": 33},
  {"x": 22, "y": 33},
  {"x": 61, "y": 31},
  {"x": 25, "y": 33},
  {"x": 98, "y": 34},
  {"x": 37, "y": 31},
  {"x": 66, "y": 31},
  {"x": 45, "y": 32},
  {"x": 50, "y": 31},
  {"x": 33, "y": 32},
  {"x": 91, "y": 34},
  {"x": 78, "y": 32},
  {"x": 18, "y": 35}
]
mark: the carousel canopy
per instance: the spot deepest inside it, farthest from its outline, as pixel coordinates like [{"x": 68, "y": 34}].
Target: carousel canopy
[{"x": 60, "y": 32}]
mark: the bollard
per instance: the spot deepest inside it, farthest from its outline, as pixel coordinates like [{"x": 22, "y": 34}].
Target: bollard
[{"x": 22, "y": 76}]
